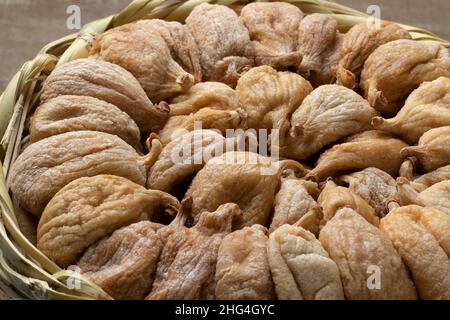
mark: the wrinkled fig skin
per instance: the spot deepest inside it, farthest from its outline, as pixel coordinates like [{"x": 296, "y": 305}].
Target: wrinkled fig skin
[
  {"x": 77, "y": 113},
  {"x": 438, "y": 195},
  {"x": 187, "y": 265},
  {"x": 320, "y": 45},
  {"x": 242, "y": 270},
  {"x": 396, "y": 68},
  {"x": 212, "y": 95},
  {"x": 359, "y": 42},
  {"x": 244, "y": 178},
  {"x": 420, "y": 236},
  {"x": 273, "y": 29},
  {"x": 88, "y": 209},
  {"x": 269, "y": 97},
  {"x": 149, "y": 50},
  {"x": 326, "y": 115},
  {"x": 107, "y": 82},
  {"x": 301, "y": 269},
  {"x": 293, "y": 200},
  {"x": 368, "y": 149},
  {"x": 333, "y": 197},
  {"x": 373, "y": 185},
  {"x": 124, "y": 264},
  {"x": 433, "y": 149},
  {"x": 420, "y": 183},
  {"x": 223, "y": 42},
  {"x": 426, "y": 108},
  {"x": 48, "y": 165},
  {"x": 356, "y": 246}
]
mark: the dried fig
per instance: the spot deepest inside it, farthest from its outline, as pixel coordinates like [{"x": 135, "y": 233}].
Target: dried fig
[
  {"x": 273, "y": 29},
  {"x": 326, "y": 115},
  {"x": 48, "y": 165},
  {"x": 300, "y": 267},
  {"x": 333, "y": 197},
  {"x": 88, "y": 209},
  {"x": 433, "y": 149},
  {"x": 124, "y": 264},
  {"x": 107, "y": 82},
  {"x": 358, "y": 248},
  {"x": 293, "y": 200},
  {"x": 320, "y": 45},
  {"x": 363, "y": 150},
  {"x": 420, "y": 183},
  {"x": 223, "y": 42},
  {"x": 373, "y": 185},
  {"x": 426, "y": 108},
  {"x": 359, "y": 42},
  {"x": 398, "y": 67},
  {"x": 77, "y": 113},
  {"x": 160, "y": 54},
  {"x": 244, "y": 178},
  {"x": 242, "y": 270},
  {"x": 186, "y": 269},
  {"x": 417, "y": 233}
]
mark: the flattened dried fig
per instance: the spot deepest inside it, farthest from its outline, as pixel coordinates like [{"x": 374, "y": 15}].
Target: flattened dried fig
[
  {"x": 426, "y": 108},
  {"x": 88, "y": 209},
  {"x": 359, "y": 42},
  {"x": 242, "y": 270},
  {"x": 293, "y": 200},
  {"x": 186, "y": 269},
  {"x": 124, "y": 264},
  {"x": 333, "y": 197},
  {"x": 273, "y": 29},
  {"x": 357, "y": 247},
  {"x": 363, "y": 150},
  {"x": 398, "y": 67},
  {"x": 420, "y": 183},
  {"x": 77, "y": 113},
  {"x": 158, "y": 53},
  {"x": 212, "y": 95},
  {"x": 328, "y": 114},
  {"x": 373, "y": 185},
  {"x": 244, "y": 178},
  {"x": 107, "y": 82},
  {"x": 320, "y": 45},
  {"x": 433, "y": 149},
  {"x": 301, "y": 268},
  {"x": 223, "y": 42},
  {"x": 413, "y": 231},
  {"x": 48, "y": 165}
]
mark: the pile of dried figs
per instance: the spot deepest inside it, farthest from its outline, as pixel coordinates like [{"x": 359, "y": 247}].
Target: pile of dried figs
[{"x": 334, "y": 185}]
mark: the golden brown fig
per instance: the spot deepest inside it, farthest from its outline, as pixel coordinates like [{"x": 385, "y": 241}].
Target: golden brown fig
[
  {"x": 301, "y": 268},
  {"x": 426, "y": 108},
  {"x": 320, "y": 44},
  {"x": 398, "y": 67},
  {"x": 360, "y": 251},
  {"x": 373, "y": 185},
  {"x": 48, "y": 165},
  {"x": 418, "y": 233},
  {"x": 273, "y": 29},
  {"x": 161, "y": 55},
  {"x": 124, "y": 264},
  {"x": 107, "y": 82},
  {"x": 433, "y": 149},
  {"x": 326, "y": 115},
  {"x": 247, "y": 179},
  {"x": 368, "y": 149},
  {"x": 88, "y": 209},
  {"x": 212, "y": 95},
  {"x": 420, "y": 183},
  {"x": 223, "y": 42},
  {"x": 359, "y": 42},
  {"x": 242, "y": 270},
  {"x": 77, "y": 113}
]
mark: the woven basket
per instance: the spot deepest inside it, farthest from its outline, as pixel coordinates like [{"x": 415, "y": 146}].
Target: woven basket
[{"x": 24, "y": 271}]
